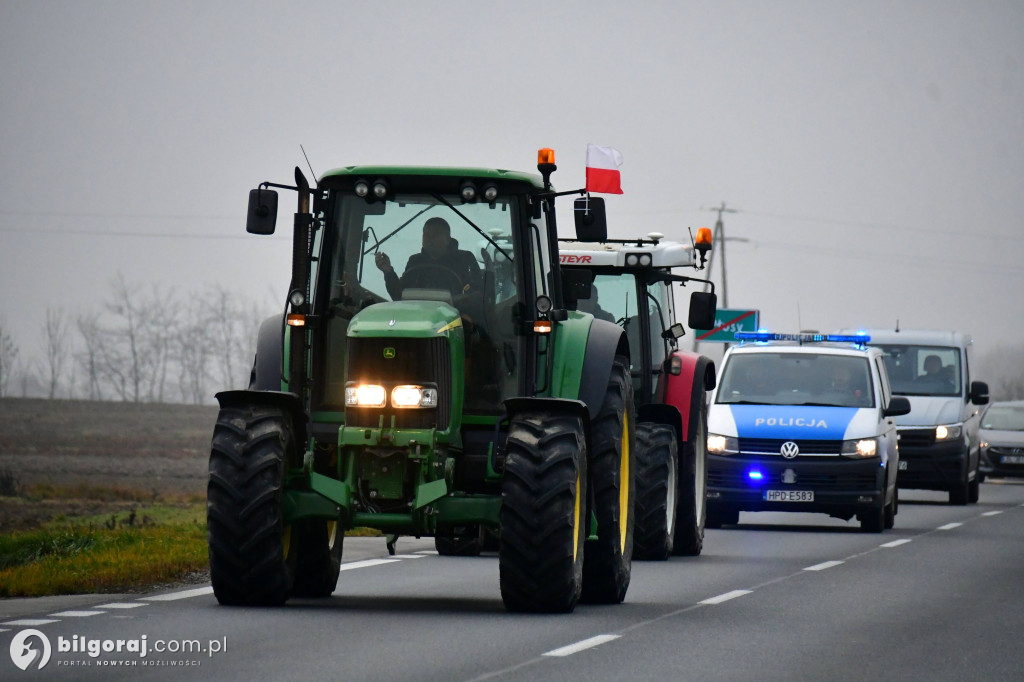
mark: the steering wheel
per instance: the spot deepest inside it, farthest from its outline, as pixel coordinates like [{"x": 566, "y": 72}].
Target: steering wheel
[{"x": 412, "y": 277}]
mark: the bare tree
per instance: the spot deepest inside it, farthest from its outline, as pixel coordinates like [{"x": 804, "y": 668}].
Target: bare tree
[
  {"x": 89, "y": 359},
  {"x": 193, "y": 351},
  {"x": 8, "y": 359},
  {"x": 234, "y": 323},
  {"x": 1003, "y": 369},
  {"x": 56, "y": 333}
]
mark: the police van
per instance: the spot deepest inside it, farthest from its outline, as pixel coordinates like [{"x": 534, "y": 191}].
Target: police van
[
  {"x": 803, "y": 423},
  {"x": 939, "y": 440}
]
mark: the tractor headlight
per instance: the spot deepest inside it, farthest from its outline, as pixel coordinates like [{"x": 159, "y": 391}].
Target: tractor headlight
[
  {"x": 413, "y": 396},
  {"x": 365, "y": 395},
  {"x": 722, "y": 445},
  {"x": 948, "y": 431},
  {"x": 865, "y": 447}
]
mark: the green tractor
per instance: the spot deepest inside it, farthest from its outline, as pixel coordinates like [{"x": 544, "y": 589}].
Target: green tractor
[{"x": 455, "y": 397}]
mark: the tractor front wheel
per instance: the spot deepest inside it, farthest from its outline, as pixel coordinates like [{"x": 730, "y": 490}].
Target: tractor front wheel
[
  {"x": 251, "y": 562},
  {"x": 657, "y": 479},
  {"x": 317, "y": 545},
  {"x": 544, "y": 500}
]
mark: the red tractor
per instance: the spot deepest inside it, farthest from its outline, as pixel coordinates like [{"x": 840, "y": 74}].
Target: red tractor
[{"x": 629, "y": 282}]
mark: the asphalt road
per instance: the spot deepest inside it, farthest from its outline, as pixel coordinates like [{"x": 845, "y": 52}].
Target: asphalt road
[{"x": 779, "y": 597}]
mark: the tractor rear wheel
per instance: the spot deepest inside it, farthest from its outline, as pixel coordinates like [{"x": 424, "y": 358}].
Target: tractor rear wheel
[
  {"x": 693, "y": 490},
  {"x": 657, "y": 480},
  {"x": 544, "y": 499},
  {"x": 608, "y": 559},
  {"x": 251, "y": 562},
  {"x": 317, "y": 545}
]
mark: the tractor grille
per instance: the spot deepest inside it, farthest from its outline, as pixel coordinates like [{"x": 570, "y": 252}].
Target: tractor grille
[{"x": 415, "y": 361}]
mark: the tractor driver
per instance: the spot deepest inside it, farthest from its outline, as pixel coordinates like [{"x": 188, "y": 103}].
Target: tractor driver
[{"x": 441, "y": 264}]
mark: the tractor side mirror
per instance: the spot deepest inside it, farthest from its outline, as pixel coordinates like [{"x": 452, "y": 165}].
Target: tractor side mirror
[
  {"x": 591, "y": 222},
  {"x": 262, "y": 215},
  {"x": 576, "y": 285},
  {"x": 703, "y": 305}
]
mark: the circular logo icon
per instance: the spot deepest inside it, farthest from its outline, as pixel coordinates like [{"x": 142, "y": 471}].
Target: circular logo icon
[
  {"x": 789, "y": 449},
  {"x": 25, "y": 655}
]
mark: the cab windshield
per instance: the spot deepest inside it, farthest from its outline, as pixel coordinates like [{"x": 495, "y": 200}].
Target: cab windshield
[
  {"x": 923, "y": 370},
  {"x": 796, "y": 379}
]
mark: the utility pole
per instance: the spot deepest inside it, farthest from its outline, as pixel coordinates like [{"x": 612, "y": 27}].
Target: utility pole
[{"x": 718, "y": 240}]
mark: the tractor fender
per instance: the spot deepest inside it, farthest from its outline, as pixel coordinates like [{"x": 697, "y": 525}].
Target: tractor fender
[
  {"x": 289, "y": 403},
  {"x": 267, "y": 370},
  {"x": 662, "y": 413},
  {"x": 575, "y": 408},
  {"x": 606, "y": 340},
  {"x": 686, "y": 390}
]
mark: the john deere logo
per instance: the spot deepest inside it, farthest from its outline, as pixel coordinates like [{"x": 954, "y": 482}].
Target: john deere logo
[{"x": 389, "y": 353}]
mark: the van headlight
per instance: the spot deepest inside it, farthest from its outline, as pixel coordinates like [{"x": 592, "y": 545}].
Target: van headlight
[
  {"x": 864, "y": 447},
  {"x": 948, "y": 431},
  {"x": 722, "y": 445}
]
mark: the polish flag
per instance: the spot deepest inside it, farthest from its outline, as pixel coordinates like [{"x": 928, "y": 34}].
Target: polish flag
[{"x": 603, "y": 169}]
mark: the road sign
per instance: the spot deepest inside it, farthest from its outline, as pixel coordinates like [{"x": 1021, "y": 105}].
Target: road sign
[{"x": 728, "y": 321}]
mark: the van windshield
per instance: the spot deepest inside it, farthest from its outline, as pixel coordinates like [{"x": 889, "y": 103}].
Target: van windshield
[
  {"x": 923, "y": 370},
  {"x": 797, "y": 379}
]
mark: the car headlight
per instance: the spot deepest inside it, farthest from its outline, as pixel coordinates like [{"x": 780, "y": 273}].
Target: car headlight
[
  {"x": 413, "y": 396},
  {"x": 864, "y": 447},
  {"x": 722, "y": 445},
  {"x": 365, "y": 395},
  {"x": 948, "y": 431}
]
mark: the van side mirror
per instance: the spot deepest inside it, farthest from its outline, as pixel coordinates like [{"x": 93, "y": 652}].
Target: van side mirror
[
  {"x": 979, "y": 393},
  {"x": 591, "y": 222},
  {"x": 262, "y": 215},
  {"x": 898, "y": 405},
  {"x": 703, "y": 306}
]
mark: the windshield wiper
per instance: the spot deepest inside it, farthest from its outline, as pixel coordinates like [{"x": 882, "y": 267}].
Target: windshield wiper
[{"x": 474, "y": 226}]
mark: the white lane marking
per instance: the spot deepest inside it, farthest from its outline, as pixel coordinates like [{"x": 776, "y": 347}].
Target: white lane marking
[
  {"x": 5, "y": 629},
  {"x": 824, "y": 565},
  {"x": 367, "y": 563},
  {"x": 408, "y": 556},
  {"x": 949, "y": 526},
  {"x": 992, "y": 513},
  {"x": 184, "y": 594},
  {"x": 896, "y": 543},
  {"x": 120, "y": 605},
  {"x": 427, "y": 552},
  {"x": 31, "y": 621},
  {"x": 725, "y": 597},
  {"x": 76, "y": 614},
  {"x": 581, "y": 646}
]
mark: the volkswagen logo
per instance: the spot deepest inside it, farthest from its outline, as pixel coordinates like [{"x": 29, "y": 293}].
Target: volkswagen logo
[{"x": 789, "y": 449}]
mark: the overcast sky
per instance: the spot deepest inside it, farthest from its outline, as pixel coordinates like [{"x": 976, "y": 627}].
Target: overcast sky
[{"x": 874, "y": 150}]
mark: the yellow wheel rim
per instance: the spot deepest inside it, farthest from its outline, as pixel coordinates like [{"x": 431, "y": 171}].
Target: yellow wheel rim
[
  {"x": 576, "y": 521},
  {"x": 624, "y": 484}
]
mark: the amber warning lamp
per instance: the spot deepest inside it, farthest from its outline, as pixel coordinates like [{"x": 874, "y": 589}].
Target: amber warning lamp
[
  {"x": 703, "y": 244},
  {"x": 546, "y": 164}
]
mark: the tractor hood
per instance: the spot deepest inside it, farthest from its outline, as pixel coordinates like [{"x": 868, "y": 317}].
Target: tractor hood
[
  {"x": 405, "y": 319},
  {"x": 931, "y": 410}
]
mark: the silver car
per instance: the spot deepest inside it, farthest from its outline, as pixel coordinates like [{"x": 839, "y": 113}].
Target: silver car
[{"x": 1002, "y": 440}]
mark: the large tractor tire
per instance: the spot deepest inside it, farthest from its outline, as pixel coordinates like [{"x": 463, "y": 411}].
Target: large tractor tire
[
  {"x": 251, "y": 562},
  {"x": 657, "y": 480},
  {"x": 317, "y": 545},
  {"x": 544, "y": 500},
  {"x": 691, "y": 516},
  {"x": 608, "y": 558}
]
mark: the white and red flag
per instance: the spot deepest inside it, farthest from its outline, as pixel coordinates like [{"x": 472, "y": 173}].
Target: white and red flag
[{"x": 603, "y": 169}]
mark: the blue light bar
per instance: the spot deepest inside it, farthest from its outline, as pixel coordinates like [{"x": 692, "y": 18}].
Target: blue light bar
[
  {"x": 804, "y": 338},
  {"x": 755, "y": 475}
]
